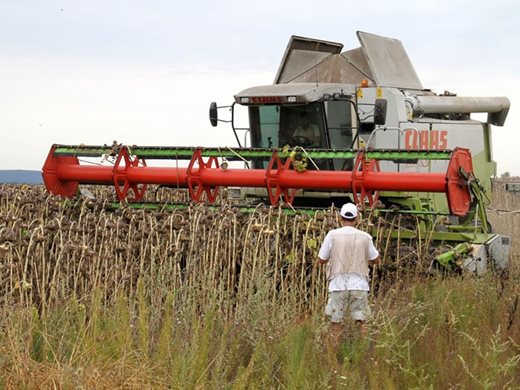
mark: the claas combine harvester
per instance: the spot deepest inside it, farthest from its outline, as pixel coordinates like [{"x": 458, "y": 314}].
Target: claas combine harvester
[{"x": 354, "y": 125}]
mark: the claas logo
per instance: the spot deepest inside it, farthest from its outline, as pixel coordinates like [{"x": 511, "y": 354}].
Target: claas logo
[
  {"x": 267, "y": 99},
  {"x": 426, "y": 139}
]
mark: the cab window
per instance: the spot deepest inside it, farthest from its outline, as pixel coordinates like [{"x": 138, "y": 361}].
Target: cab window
[
  {"x": 339, "y": 121},
  {"x": 278, "y": 125}
]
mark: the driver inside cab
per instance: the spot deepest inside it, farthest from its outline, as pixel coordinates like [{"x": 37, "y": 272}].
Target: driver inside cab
[{"x": 307, "y": 133}]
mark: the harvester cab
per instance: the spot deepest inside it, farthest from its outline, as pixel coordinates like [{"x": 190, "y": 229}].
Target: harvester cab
[{"x": 334, "y": 126}]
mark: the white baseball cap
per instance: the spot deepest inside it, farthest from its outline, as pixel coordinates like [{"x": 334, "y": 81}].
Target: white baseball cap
[{"x": 349, "y": 211}]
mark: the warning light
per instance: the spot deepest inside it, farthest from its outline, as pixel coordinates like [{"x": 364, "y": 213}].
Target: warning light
[{"x": 364, "y": 83}]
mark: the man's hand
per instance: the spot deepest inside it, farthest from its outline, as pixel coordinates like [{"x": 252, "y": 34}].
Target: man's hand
[{"x": 320, "y": 261}]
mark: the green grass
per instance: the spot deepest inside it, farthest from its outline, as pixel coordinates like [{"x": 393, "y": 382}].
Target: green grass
[{"x": 436, "y": 333}]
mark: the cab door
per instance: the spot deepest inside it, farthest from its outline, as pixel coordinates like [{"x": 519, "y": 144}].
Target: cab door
[{"x": 341, "y": 129}]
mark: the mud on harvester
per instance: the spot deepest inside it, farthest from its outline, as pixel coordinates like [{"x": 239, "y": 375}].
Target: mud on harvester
[{"x": 378, "y": 138}]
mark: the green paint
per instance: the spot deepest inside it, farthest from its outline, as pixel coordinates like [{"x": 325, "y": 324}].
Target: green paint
[
  {"x": 448, "y": 259},
  {"x": 168, "y": 153}
]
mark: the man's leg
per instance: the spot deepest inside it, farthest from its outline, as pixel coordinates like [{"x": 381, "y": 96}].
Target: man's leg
[
  {"x": 362, "y": 328},
  {"x": 359, "y": 309},
  {"x": 335, "y": 310},
  {"x": 335, "y": 335}
]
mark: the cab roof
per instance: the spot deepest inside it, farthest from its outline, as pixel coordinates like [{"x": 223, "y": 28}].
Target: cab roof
[{"x": 294, "y": 93}]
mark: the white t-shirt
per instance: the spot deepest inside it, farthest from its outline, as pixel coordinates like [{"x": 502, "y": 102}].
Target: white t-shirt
[
  {"x": 350, "y": 281},
  {"x": 312, "y": 132}
]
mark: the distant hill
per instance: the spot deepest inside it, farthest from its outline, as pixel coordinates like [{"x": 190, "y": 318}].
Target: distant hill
[{"x": 19, "y": 176}]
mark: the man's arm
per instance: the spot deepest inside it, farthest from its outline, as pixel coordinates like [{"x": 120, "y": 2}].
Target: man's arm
[
  {"x": 319, "y": 263},
  {"x": 373, "y": 254},
  {"x": 324, "y": 253}
]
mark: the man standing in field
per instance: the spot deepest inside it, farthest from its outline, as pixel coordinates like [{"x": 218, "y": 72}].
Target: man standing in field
[{"x": 347, "y": 252}]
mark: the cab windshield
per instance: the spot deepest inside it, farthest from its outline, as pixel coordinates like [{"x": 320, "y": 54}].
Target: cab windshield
[
  {"x": 276, "y": 125},
  {"x": 326, "y": 125}
]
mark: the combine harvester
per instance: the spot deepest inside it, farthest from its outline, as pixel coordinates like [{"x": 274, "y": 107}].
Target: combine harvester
[{"x": 335, "y": 126}]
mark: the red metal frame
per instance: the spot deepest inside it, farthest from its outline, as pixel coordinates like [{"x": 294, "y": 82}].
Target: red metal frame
[
  {"x": 123, "y": 162},
  {"x": 460, "y": 169},
  {"x": 361, "y": 167},
  {"x": 51, "y": 179},
  {"x": 275, "y": 169},
  {"x": 62, "y": 174},
  {"x": 196, "y": 185}
]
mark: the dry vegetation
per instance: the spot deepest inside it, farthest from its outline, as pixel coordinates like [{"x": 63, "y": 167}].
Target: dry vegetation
[{"x": 218, "y": 299}]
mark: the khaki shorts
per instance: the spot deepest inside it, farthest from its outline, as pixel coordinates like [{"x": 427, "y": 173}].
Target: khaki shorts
[{"x": 354, "y": 300}]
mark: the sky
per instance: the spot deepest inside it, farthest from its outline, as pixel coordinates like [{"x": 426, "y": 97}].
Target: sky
[{"x": 145, "y": 72}]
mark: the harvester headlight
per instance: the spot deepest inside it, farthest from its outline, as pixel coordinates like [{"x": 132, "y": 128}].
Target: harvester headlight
[
  {"x": 291, "y": 99},
  {"x": 244, "y": 100}
]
